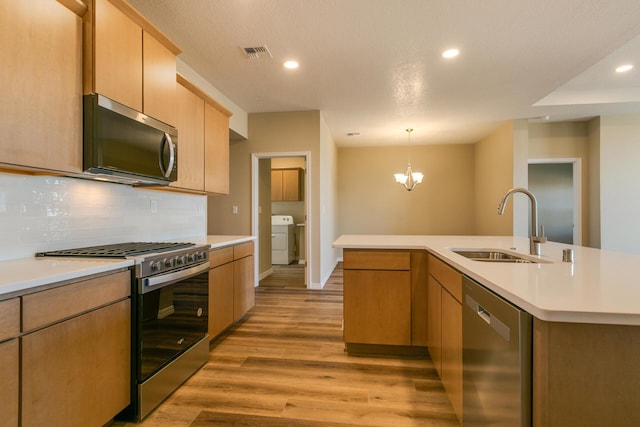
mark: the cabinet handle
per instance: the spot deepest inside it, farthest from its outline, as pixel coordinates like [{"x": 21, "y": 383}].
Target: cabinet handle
[{"x": 172, "y": 155}]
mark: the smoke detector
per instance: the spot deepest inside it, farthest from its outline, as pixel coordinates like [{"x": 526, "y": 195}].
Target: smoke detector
[{"x": 257, "y": 52}]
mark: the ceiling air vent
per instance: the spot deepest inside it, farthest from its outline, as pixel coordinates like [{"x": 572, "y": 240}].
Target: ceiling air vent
[{"x": 257, "y": 52}]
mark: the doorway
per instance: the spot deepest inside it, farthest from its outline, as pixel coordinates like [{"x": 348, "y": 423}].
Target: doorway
[
  {"x": 296, "y": 270},
  {"x": 556, "y": 185}
]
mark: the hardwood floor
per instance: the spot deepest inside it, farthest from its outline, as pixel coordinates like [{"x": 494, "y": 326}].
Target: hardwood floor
[
  {"x": 285, "y": 365},
  {"x": 285, "y": 276}
]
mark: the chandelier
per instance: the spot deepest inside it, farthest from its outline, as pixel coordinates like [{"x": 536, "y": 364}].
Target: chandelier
[{"x": 409, "y": 179}]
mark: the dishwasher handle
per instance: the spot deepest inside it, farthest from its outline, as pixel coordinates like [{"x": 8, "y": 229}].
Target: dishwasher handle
[{"x": 498, "y": 326}]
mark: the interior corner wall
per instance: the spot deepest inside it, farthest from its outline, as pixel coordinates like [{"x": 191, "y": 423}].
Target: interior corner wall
[
  {"x": 328, "y": 202},
  {"x": 494, "y": 176},
  {"x": 620, "y": 183},
  {"x": 594, "y": 182},
  {"x": 264, "y": 227}
]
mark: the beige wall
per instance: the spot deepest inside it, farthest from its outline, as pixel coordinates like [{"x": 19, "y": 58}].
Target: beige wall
[
  {"x": 371, "y": 202},
  {"x": 264, "y": 194},
  {"x": 272, "y": 133},
  {"x": 328, "y": 201},
  {"x": 620, "y": 183},
  {"x": 494, "y": 176},
  {"x": 565, "y": 140},
  {"x": 594, "y": 182}
]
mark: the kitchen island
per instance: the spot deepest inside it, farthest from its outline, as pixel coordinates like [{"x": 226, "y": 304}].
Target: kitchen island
[{"x": 586, "y": 320}]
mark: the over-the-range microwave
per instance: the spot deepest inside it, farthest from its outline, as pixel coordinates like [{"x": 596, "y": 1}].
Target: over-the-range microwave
[{"x": 125, "y": 146}]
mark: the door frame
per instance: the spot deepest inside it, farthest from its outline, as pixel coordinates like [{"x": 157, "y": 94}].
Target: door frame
[
  {"x": 577, "y": 191},
  {"x": 255, "y": 206}
]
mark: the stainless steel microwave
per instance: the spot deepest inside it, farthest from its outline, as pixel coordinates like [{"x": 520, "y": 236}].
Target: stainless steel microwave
[{"x": 125, "y": 146}]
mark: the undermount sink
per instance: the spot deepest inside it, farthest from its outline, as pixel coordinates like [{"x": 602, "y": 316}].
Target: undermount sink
[{"x": 495, "y": 255}]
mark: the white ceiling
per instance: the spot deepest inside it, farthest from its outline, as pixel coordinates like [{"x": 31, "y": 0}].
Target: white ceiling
[{"x": 375, "y": 66}]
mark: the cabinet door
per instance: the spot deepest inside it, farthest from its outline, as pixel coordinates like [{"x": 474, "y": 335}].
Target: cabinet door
[
  {"x": 244, "y": 290},
  {"x": 291, "y": 185},
  {"x": 377, "y": 307},
  {"x": 452, "y": 350},
  {"x": 159, "y": 80},
  {"x": 216, "y": 151},
  {"x": 77, "y": 372},
  {"x": 190, "y": 125},
  {"x": 434, "y": 322},
  {"x": 117, "y": 67},
  {"x": 9, "y": 391},
  {"x": 276, "y": 185},
  {"x": 220, "y": 298},
  {"x": 41, "y": 86}
]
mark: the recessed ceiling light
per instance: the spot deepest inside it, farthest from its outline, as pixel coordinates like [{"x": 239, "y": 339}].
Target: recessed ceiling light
[
  {"x": 624, "y": 68},
  {"x": 353, "y": 133},
  {"x": 291, "y": 65},
  {"x": 450, "y": 53}
]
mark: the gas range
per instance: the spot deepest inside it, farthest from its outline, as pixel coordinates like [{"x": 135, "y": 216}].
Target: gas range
[{"x": 151, "y": 258}]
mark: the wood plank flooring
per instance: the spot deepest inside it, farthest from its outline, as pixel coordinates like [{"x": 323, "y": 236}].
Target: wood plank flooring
[
  {"x": 285, "y": 276},
  {"x": 285, "y": 365}
]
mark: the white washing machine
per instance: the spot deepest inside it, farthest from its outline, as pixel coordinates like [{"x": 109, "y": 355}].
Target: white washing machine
[{"x": 283, "y": 245}]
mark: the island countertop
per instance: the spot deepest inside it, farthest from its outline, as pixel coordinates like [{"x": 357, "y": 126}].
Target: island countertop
[{"x": 598, "y": 287}]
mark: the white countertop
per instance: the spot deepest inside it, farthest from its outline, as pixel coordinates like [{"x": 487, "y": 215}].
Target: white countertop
[
  {"x": 25, "y": 274},
  {"x": 598, "y": 287}
]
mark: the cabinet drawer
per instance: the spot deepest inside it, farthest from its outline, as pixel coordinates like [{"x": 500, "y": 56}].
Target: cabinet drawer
[
  {"x": 449, "y": 278},
  {"x": 242, "y": 250},
  {"x": 46, "y": 307},
  {"x": 221, "y": 256},
  {"x": 376, "y": 260},
  {"x": 9, "y": 318}
]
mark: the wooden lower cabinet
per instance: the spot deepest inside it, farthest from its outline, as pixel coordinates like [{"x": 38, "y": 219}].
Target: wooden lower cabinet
[
  {"x": 377, "y": 307},
  {"x": 220, "y": 298},
  {"x": 451, "y": 355},
  {"x": 444, "y": 327},
  {"x": 244, "y": 295},
  {"x": 76, "y": 352},
  {"x": 77, "y": 372},
  {"x": 231, "y": 285},
  {"x": 585, "y": 374},
  {"x": 385, "y": 294},
  {"x": 434, "y": 322},
  {"x": 9, "y": 391}
]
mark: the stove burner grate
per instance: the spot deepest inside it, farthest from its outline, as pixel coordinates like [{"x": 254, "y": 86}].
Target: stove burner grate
[{"x": 117, "y": 250}]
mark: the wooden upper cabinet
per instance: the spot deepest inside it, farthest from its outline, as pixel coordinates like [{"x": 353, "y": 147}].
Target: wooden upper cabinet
[
  {"x": 190, "y": 140},
  {"x": 41, "y": 86},
  {"x": 203, "y": 141},
  {"x": 117, "y": 48},
  {"x": 159, "y": 79},
  {"x": 216, "y": 150},
  {"x": 287, "y": 184},
  {"x": 129, "y": 60}
]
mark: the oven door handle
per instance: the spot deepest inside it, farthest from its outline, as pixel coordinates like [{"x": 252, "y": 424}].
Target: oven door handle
[{"x": 156, "y": 282}]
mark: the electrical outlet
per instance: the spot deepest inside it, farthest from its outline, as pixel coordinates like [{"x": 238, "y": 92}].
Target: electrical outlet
[
  {"x": 153, "y": 205},
  {"x": 235, "y": 210}
]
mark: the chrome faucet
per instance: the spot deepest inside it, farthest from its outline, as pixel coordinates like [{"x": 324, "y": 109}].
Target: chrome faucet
[{"x": 534, "y": 240}]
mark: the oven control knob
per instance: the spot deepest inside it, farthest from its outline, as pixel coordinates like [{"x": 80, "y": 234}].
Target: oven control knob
[
  {"x": 191, "y": 257},
  {"x": 202, "y": 255},
  {"x": 156, "y": 266},
  {"x": 181, "y": 260},
  {"x": 168, "y": 262}
]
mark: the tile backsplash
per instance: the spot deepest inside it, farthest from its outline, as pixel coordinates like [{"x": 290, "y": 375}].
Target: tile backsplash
[{"x": 41, "y": 213}]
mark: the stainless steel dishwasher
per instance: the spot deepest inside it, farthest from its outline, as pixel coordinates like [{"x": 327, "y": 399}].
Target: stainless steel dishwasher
[{"x": 496, "y": 357}]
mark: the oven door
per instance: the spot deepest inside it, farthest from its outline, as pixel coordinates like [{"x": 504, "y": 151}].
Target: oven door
[{"x": 172, "y": 316}]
